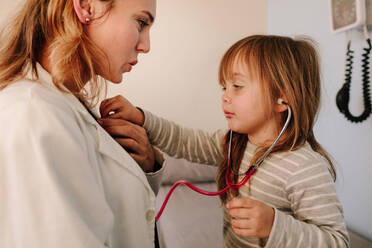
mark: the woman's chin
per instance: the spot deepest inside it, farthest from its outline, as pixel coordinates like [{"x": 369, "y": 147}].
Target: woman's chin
[{"x": 115, "y": 79}]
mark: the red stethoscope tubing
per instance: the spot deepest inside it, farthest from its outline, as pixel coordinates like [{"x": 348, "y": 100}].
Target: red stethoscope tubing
[
  {"x": 229, "y": 185},
  {"x": 248, "y": 174}
]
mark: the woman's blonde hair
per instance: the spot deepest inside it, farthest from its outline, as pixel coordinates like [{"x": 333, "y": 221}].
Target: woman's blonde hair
[
  {"x": 284, "y": 67},
  {"x": 72, "y": 54}
]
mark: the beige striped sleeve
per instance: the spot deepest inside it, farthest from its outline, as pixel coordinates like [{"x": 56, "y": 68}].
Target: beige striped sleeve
[
  {"x": 194, "y": 145},
  {"x": 317, "y": 219}
]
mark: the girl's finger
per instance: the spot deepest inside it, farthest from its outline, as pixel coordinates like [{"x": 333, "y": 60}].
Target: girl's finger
[
  {"x": 240, "y": 213},
  {"x": 119, "y": 114},
  {"x": 113, "y": 106},
  {"x": 105, "y": 102},
  {"x": 241, "y": 223},
  {"x": 244, "y": 232},
  {"x": 241, "y": 203}
]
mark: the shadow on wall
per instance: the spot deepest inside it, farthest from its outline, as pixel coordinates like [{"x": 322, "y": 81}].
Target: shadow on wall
[{"x": 358, "y": 241}]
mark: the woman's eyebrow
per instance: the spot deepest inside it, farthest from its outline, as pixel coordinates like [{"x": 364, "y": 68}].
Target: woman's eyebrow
[{"x": 150, "y": 16}]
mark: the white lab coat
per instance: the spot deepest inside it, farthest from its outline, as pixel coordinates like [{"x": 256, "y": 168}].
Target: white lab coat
[{"x": 64, "y": 182}]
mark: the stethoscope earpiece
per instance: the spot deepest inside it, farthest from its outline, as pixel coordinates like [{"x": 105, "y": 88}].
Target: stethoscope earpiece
[{"x": 281, "y": 101}]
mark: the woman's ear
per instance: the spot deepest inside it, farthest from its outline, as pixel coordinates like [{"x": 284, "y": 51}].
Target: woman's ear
[{"x": 83, "y": 10}]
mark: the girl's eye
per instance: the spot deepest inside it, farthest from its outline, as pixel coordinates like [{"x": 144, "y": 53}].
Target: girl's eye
[
  {"x": 142, "y": 24},
  {"x": 223, "y": 88},
  {"x": 236, "y": 86}
]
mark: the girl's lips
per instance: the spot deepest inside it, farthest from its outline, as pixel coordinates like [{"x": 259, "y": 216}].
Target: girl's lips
[{"x": 228, "y": 114}]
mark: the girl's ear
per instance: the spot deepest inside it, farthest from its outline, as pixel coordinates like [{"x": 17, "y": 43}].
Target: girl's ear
[
  {"x": 281, "y": 105},
  {"x": 83, "y": 10}
]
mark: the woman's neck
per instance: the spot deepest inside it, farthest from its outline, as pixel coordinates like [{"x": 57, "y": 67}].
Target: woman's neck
[{"x": 45, "y": 63}]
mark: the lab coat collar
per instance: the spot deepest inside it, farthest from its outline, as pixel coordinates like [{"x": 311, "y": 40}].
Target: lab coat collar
[
  {"x": 46, "y": 79},
  {"x": 107, "y": 146}
]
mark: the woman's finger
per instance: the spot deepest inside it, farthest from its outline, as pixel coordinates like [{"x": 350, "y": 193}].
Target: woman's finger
[
  {"x": 130, "y": 145},
  {"x": 122, "y": 132},
  {"x": 122, "y": 129},
  {"x": 108, "y": 122}
]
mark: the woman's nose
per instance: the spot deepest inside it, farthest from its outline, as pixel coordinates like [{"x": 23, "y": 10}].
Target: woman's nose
[{"x": 143, "y": 45}]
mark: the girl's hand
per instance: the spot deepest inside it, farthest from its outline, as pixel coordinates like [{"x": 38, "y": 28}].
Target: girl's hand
[
  {"x": 133, "y": 139},
  {"x": 250, "y": 217},
  {"x": 119, "y": 107}
]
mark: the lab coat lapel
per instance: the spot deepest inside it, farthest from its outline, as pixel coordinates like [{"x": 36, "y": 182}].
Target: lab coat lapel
[{"x": 106, "y": 145}]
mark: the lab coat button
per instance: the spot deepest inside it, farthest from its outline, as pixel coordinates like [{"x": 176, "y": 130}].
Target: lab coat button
[{"x": 150, "y": 214}]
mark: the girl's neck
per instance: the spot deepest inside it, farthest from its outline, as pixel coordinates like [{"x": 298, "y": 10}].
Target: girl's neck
[{"x": 266, "y": 135}]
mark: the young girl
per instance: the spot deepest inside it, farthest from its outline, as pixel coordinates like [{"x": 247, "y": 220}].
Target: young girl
[{"x": 290, "y": 201}]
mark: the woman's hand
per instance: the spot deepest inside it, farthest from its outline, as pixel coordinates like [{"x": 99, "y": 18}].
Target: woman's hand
[
  {"x": 119, "y": 107},
  {"x": 123, "y": 122},
  {"x": 250, "y": 217},
  {"x": 133, "y": 139}
]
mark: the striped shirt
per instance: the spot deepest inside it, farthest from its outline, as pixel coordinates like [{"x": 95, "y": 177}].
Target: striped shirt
[{"x": 297, "y": 184}]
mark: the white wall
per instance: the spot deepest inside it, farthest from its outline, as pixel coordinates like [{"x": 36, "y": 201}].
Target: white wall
[
  {"x": 178, "y": 78},
  {"x": 350, "y": 144},
  {"x": 7, "y": 8}
]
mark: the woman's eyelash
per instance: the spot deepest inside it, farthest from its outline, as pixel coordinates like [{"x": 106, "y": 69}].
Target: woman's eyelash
[{"x": 143, "y": 23}]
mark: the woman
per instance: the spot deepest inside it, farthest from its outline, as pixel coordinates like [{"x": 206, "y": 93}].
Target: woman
[{"x": 64, "y": 181}]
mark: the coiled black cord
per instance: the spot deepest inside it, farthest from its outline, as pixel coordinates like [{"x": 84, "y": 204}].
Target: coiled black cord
[{"x": 343, "y": 95}]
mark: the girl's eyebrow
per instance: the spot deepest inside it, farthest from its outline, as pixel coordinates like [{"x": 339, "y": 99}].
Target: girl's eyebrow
[{"x": 237, "y": 74}]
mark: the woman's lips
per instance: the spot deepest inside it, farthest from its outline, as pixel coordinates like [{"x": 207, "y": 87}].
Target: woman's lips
[
  {"x": 130, "y": 65},
  {"x": 133, "y": 63}
]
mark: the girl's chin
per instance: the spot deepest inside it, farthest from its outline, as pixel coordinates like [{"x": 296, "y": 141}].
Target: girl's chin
[
  {"x": 236, "y": 129},
  {"x": 233, "y": 128}
]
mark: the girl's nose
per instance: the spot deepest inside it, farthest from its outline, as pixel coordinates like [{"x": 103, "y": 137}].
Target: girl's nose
[{"x": 225, "y": 97}]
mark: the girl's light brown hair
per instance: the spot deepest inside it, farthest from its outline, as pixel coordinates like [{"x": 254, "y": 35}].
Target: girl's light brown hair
[
  {"x": 284, "y": 67},
  {"x": 72, "y": 54}
]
